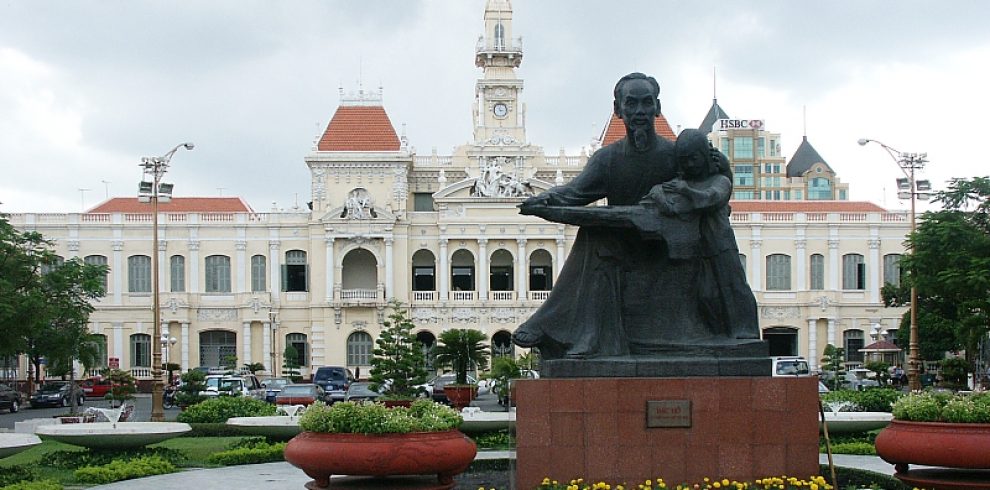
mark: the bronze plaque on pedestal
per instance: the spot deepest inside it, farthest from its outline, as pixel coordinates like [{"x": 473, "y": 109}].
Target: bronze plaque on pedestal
[{"x": 668, "y": 413}]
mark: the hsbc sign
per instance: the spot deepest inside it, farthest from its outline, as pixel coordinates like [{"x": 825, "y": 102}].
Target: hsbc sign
[{"x": 725, "y": 124}]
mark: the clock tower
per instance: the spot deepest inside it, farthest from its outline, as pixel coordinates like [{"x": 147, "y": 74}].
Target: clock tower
[{"x": 499, "y": 117}]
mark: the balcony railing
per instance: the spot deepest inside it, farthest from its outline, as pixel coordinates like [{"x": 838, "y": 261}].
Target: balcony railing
[
  {"x": 358, "y": 294},
  {"x": 463, "y": 295},
  {"x": 501, "y": 295},
  {"x": 539, "y": 295},
  {"x": 424, "y": 296},
  {"x": 141, "y": 372}
]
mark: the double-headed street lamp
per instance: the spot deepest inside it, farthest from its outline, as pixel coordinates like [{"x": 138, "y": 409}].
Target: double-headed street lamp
[
  {"x": 910, "y": 187},
  {"x": 155, "y": 191}
]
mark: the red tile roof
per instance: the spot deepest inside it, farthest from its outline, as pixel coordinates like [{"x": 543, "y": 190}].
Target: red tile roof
[
  {"x": 359, "y": 128},
  {"x": 176, "y": 205},
  {"x": 882, "y": 345},
  {"x": 748, "y": 206},
  {"x": 615, "y": 130}
]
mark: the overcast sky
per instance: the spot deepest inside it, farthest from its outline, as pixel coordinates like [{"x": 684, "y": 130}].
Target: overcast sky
[{"x": 88, "y": 88}]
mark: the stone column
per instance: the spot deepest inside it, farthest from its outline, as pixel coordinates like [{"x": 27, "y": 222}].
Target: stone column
[
  {"x": 185, "y": 346},
  {"x": 117, "y": 272},
  {"x": 330, "y": 265},
  {"x": 522, "y": 271},
  {"x": 242, "y": 266},
  {"x": 813, "y": 343},
  {"x": 558, "y": 261},
  {"x": 756, "y": 265},
  {"x": 831, "y": 332},
  {"x": 873, "y": 267},
  {"x": 267, "y": 346},
  {"x": 834, "y": 266},
  {"x": 194, "y": 267},
  {"x": 246, "y": 334},
  {"x": 444, "y": 271},
  {"x": 275, "y": 271},
  {"x": 801, "y": 278},
  {"x": 118, "y": 342},
  {"x": 389, "y": 269},
  {"x": 483, "y": 274}
]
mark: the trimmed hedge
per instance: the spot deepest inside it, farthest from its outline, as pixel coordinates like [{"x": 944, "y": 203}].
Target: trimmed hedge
[
  {"x": 34, "y": 485},
  {"x": 123, "y": 470},
  {"x": 261, "y": 452},
  {"x": 218, "y": 410}
]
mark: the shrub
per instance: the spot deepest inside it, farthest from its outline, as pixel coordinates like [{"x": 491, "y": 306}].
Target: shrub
[
  {"x": 66, "y": 459},
  {"x": 218, "y": 410},
  {"x": 870, "y": 400},
  {"x": 16, "y": 474},
  {"x": 213, "y": 430},
  {"x": 375, "y": 418},
  {"x": 860, "y": 448},
  {"x": 193, "y": 382},
  {"x": 943, "y": 407},
  {"x": 123, "y": 470},
  {"x": 258, "y": 452},
  {"x": 34, "y": 485},
  {"x": 495, "y": 440}
]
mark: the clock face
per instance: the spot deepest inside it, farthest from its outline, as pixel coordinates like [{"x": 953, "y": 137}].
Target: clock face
[{"x": 500, "y": 110}]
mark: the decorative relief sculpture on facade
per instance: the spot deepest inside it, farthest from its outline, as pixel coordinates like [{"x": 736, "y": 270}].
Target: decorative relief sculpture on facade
[
  {"x": 503, "y": 315},
  {"x": 173, "y": 305},
  {"x": 358, "y": 205},
  {"x": 216, "y": 314},
  {"x": 501, "y": 137},
  {"x": 494, "y": 182},
  {"x": 463, "y": 315},
  {"x": 359, "y": 325},
  {"x": 780, "y": 312},
  {"x": 424, "y": 315},
  {"x": 400, "y": 186},
  {"x": 319, "y": 183}
]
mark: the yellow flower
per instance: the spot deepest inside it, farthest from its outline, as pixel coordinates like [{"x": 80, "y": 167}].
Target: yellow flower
[
  {"x": 725, "y": 481},
  {"x": 717, "y": 485},
  {"x": 648, "y": 483}
]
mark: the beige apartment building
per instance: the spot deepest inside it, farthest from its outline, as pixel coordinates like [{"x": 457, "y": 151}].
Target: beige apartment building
[{"x": 441, "y": 234}]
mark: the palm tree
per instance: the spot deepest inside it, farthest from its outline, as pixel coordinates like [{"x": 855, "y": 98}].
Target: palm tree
[{"x": 460, "y": 349}]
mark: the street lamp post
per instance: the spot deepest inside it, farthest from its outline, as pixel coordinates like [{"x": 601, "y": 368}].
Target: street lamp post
[
  {"x": 153, "y": 192},
  {"x": 910, "y": 187},
  {"x": 273, "y": 317}
]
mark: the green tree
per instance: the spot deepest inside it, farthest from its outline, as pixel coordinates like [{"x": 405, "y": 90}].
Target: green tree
[
  {"x": 254, "y": 367},
  {"x": 949, "y": 264},
  {"x": 21, "y": 258},
  {"x": 290, "y": 364},
  {"x": 461, "y": 349},
  {"x": 398, "y": 365},
  {"x": 230, "y": 363}
]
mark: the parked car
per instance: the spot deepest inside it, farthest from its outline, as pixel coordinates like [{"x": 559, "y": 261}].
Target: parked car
[
  {"x": 334, "y": 380},
  {"x": 247, "y": 386},
  {"x": 300, "y": 394},
  {"x": 10, "y": 398},
  {"x": 360, "y": 391},
  {"x": 57, "y": 394},
  {"x": 273, "y": 387},
  {"x": 861, "y": 378},
  {"x": 96, "y": 387},
  {"x": 443, "y": 380},
  {"x": 789, "y": 366}
]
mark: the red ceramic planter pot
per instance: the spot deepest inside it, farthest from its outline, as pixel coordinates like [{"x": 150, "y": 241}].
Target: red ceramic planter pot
[
  {"x": 460, "y": 396},
  {"x": 320, "y": 455},
  {"x": 934, "y": 444}
]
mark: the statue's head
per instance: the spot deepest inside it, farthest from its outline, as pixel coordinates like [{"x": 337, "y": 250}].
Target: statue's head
[
  {"x": 637, "y": 103},
  {"x": 693, "y": 154}
]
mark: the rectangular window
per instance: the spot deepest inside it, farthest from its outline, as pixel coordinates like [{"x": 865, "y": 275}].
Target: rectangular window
[
  {"x": 177, "y": 273},
  {"x": 773, "y": 148},
  {"x": 259, "y": 271},
  {"x": 742, "y": 195},
  {"x": 778, "y": 272},
  {"x": 798, "y": 195},
  {"x": 723, "y": 144},
  {"x": 540, "y": 278},
  {"x": 819, "y": 188},
  {"x": 817, "y": 272},
  {"x": 854, "y": 342},
  {"x": 295, "y": 272},
  {"x": 97, "y": 260},
  {"x": 761, "y": 147},
  {"x": 140, "y": 350},
  {"x": 462, "y": 278},
  {"x": 217, "y": 274},
  {"x": 424, "y": 278},
  {"x": 742, "y": 148},
  {"x": 853, "y": 272},
  {"x": 423, "y": 202},
  {"x": 139, "y": 274},
  {"x": 501, "y": 279},
  {"x": 743, "y": 175},
  {"x": 892, "y": 269},
  {"x": 787, "y": 195}
]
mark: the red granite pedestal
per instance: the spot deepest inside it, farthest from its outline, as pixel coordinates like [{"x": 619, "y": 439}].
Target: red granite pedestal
[{"x": 741, "y": 428}]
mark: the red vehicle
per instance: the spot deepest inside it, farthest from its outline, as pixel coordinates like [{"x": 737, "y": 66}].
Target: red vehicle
[
  {"x": 96, "y": 387},
  {"x": 299, "y": 394}
]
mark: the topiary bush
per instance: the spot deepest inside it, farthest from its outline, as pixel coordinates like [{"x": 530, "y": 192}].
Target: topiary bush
[
  {"x": 253, "y": 453},
  {"x": 72, "y": 459},
  {"x": 218, "y": 410}
]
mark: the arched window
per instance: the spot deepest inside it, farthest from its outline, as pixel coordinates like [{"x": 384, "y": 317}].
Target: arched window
[
  {"x": 295, "y": 272},
  {"x": 258, "y": 272},
  {"x": 98, "y": 260},
  {"x": 778, "y": 272},
  {"x": 462, "y": 271},
  {"x": 501, "y": 272},
  {"x": 140, "y": 350},
  {"x": 177, "y": 273},
  {"x": 215, "y": 346},
  {"x": 499, "y": 36},
  {"x": 359, "y": 348},
  {"x": 139, "y": 274},
  {"x": 298, "y": 342},
  {"x": 853, "y": 272},
  {"x": 502, "y": 345},
  {"x": 424, "y": 271},
  {"x": 218, "y": 274},
  {"x": 817, "y": 275},
  {"x": 892, "y": 269},
  {"x": 540, "y": 271},
  {"x": 427, "y": 342}
]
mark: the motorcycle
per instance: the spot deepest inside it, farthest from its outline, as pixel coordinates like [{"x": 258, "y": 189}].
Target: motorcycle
[{"x": 168, "y": 398}]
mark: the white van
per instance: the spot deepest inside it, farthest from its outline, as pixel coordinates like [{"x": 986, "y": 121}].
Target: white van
[{"x": 789, "y": 366}]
